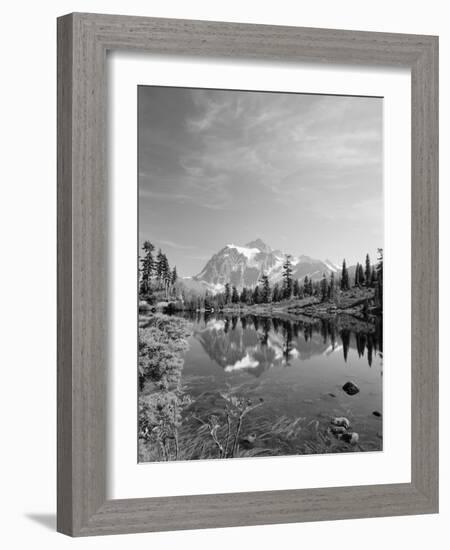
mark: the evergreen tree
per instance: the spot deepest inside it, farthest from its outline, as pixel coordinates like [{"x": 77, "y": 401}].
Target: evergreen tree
[
  {"x": 306, "y": 285},
  {"x": 361, "y": 276},
  {"x": 287, "y": 277},
  {"x": 276, "y": 293},
  {"x": 310, "y": 287},
  {"x": 174, "y": 276},
  {"x": 373, "y": 278},
  {"x": 379, "y": 285},
  {"x": 146, "y": 268},
  {"x": 265, "y": 291},
  {"x": 160, "y": 267},
  {"x": 324, "y": 288},
  {"x": 368, "y": 271},
  {"x": 357, "y": 283},
  {"x": 331, "y": 288},
  {"x": 296, "y": 289},
  {"x": 234, "y": 295},
  {"x": 344, "y": 277},
  {"x": 256, "y": 295},
  {"x": 227, "y": 293},
  {"x": 166, "y": 274},
  {"x": 244, "y": 296}
]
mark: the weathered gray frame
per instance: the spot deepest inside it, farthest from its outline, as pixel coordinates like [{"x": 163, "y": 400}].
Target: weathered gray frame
[{"x": 83, "y": 40}]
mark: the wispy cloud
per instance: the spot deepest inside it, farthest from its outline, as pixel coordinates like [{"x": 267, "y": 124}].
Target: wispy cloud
[{"x": 228, "y": 161}]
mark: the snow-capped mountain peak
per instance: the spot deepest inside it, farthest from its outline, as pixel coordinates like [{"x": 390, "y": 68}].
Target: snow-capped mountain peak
[{"x": 244, "y": 266}]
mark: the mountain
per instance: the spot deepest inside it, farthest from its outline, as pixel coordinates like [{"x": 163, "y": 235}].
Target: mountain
[{"x": 244, "y": 265}]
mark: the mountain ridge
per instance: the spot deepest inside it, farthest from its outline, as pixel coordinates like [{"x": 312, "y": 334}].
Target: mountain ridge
[{"x": 244, "y": 265}]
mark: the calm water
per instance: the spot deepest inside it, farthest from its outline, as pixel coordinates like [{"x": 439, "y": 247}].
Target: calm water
[{"x": 298, "y": 370}]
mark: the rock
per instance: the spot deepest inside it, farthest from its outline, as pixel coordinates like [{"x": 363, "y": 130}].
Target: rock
[
  {"x": 351, "y": 438},
  {"x": 341, "y": 421},
  {"x": 350, "y": 388},
  {"x": 248, "y": 441},
  {"x": 332, "y": 394},
  {"x": 144, "y": 306},
  {"x": 376, "y": 413},
  {"x": 337, "y": 430}
]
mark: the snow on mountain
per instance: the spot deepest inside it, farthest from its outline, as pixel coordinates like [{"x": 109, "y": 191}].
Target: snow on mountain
[{"x": 244, "y": 266}]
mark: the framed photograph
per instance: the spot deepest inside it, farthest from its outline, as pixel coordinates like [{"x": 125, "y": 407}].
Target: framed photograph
[{"x": 247, "y": 274}]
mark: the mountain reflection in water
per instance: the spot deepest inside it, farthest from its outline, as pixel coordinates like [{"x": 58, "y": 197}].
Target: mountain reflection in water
[
  {"x": 256, "y": 344},
  {"x": 297, "y": 368}
]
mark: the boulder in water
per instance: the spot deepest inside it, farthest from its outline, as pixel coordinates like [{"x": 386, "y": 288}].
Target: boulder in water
[
  {"x": 351, "y": 438},
  {"x": 341, "y": 421},
  {"x": 350, "y": 388}
]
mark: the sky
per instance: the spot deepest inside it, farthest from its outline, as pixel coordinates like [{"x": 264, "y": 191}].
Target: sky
[{"x": 302, "y": 172}]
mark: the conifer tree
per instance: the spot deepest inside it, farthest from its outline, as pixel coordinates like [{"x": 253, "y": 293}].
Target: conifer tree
[
  {"x": 373, "y": 278},
  {"x": 243, "y": 297},
  {"x": 265, "y": 290},
  {"x": 368, "y": 271},
  {"x": 296, "y": 289},
  {"x": 331, "y": 288},
  {"x": 361, "y": 276},
  {"x": 147, "y": 267},
  {"x": 379, "y": 284},
  {"x": 227, "y": 293},
  {"x": 174, "y": 276},
  {"x": 324, "y": 288},
  {"x": 256, "y": 295},
  {"x": 287, "y": 277},
  {"x": 159, "y": 266},
  {"x": 234, "y": 295},
  {"x": 357, "y": 283},
  {"x": 276, "y": 293},
  {"x": 306, "y": 285},
  {"x": 344, "y": 277}
]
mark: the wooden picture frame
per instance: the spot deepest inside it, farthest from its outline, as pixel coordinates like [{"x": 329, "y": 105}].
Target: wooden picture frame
[{"x": 83, "y": 40}]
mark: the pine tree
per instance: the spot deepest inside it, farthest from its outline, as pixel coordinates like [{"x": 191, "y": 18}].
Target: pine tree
[
  {"x": 243, "y": 297},
  {"x": 361, "y": 276},
  {"x": 147, "y": 268},
  {"x": 324, "y": 288},
  {"x": 344, "y": 277},
  {"x": 159, "y": 266},
  {"x": 306, "y": 285},
  {"x": 227, "y": 293},
  {"x": 174, "y": 276},
  {"x": 276, "y": 293},
  {"x": 373, "y": 278},
  {"x": 379, "y": 285},
  {"x": 256, "y": 295},
  {"x": 368, "y": 271},
  {"x": 331, "y": 288},
  {"x": 265, "y": 291},
  {"x": 296, "y": 289},
  {"x": 357, "y": 283},
  {"x": 287, "y": 277},
  {"x": 234, "y": 295},
  {"x": 166, "y": 274}
]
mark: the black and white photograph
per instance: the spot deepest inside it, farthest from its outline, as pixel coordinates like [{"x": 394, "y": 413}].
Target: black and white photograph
[{"x": 260, "y": 274}]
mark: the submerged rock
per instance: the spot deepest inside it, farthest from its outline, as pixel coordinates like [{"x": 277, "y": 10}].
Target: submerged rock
[
  {"x": 337, "y": 430},
  {"x": 351, "y": 438},
  {"x": 248, "y": 441},
  {"x": 350, "y": 388},
  {"x": 341, "y": 421}
]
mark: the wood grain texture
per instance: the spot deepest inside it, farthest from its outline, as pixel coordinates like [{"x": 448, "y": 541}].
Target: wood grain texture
[{"x": 83, "y": 40}]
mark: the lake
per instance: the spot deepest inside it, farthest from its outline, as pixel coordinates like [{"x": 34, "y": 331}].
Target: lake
[{"x": 297, "y": 370}]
